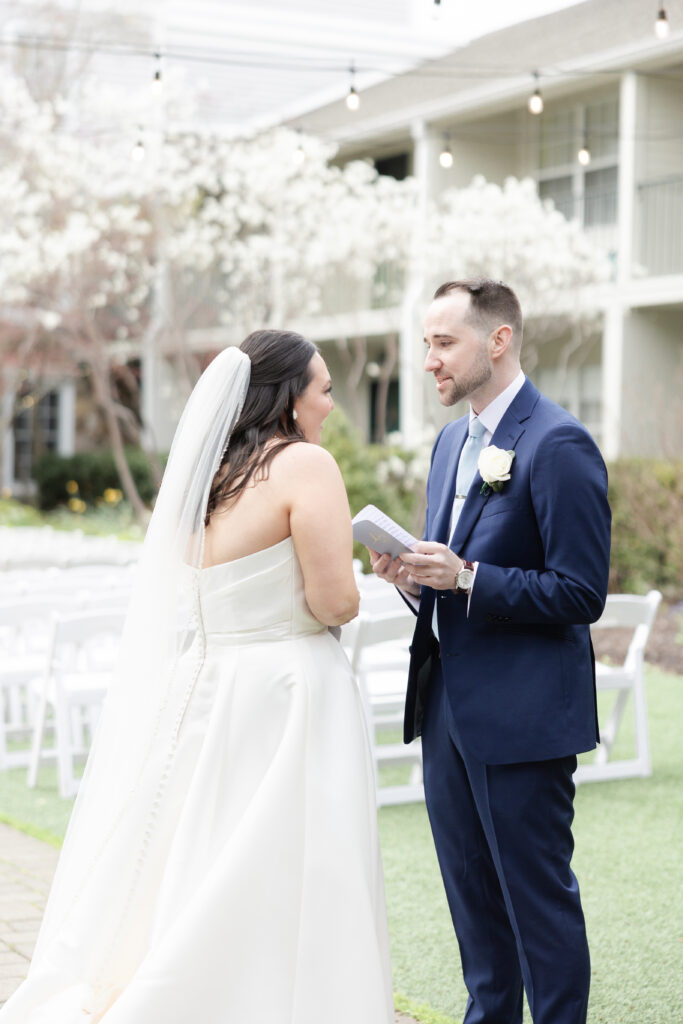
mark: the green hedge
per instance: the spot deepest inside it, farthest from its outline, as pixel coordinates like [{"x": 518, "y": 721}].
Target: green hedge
[
  {"x": 375, "y": 475},
  {"x": 647, "y": 526},
  {"x": 646, "y": 498},
  {"x": 94, "y": 472}
]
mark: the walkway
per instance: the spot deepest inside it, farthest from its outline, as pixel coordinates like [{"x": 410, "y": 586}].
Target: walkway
[{"x": 26, "y": 869}]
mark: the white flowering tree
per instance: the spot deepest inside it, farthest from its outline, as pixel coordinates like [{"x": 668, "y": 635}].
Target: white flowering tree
[
  {"x": 508, "y": 232},
  {"x": 103, "y": 257},
  {"x": 272, "y": 220}
]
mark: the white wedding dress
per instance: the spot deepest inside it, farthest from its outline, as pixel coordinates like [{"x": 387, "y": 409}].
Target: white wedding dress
[{"x": 263, "y": 898}]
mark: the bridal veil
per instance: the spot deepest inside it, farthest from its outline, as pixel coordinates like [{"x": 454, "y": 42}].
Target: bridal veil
[{"x": 120, "y": 805}]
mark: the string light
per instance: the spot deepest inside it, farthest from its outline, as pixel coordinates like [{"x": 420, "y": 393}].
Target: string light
[
  {"x": 535, "y": 102},
  {"x": 584, "y": 154},
  {"x": 157, "y": 84},
  {"x": 446, "y": 156},
  {"x": 662, "y": 27},
  {"x": 353, "y": 99},
  {"x": 436, "y": 10},
  {"x": 137, "y": 153},
  {"x": 315, "y": 64}
]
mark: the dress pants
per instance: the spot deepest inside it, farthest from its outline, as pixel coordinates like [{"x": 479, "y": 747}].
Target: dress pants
[{"x": 504, "y": 843}]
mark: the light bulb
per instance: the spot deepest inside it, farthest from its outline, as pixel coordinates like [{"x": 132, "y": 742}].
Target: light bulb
[
  {"x": 137, "y": 153},
  {"x": 535, "y": 103},
  {"x": 584, "y": 155},
  {"x": 353, "y": 99},
  {"x": 299, "y": 154},
  {"x": 446, "y": 157},
  {"x": 662, "y": 27}
]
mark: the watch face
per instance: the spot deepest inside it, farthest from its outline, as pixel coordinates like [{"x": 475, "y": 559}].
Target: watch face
[{"x": 465, "y": 579}]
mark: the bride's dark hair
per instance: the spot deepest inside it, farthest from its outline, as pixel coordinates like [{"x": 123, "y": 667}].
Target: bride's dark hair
[{"x": 280, "y": 372}]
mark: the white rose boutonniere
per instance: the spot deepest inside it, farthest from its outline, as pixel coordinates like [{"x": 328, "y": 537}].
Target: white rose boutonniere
[{"x": 494, "y": 466}]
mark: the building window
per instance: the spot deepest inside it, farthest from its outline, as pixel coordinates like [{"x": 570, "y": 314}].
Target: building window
[
  {"x": 35, "y": 430},
  {"x": 561, "y": 191},
  {"x": 558, "y": 139},
  {"x": 587, "y": 194},
  {"x": 397, "y": 166},
  {"x": 600, "y": 197},
  {"x": 392, "y": 413}
]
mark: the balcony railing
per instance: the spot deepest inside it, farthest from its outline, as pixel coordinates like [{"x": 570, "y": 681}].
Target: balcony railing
[
  {"x": 344, "y": 294},
  {"x": 596, "y": 211},
  {"x": 659, "y": 226}
]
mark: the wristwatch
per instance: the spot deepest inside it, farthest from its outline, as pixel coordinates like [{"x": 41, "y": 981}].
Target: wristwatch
[{"x": 465, "y": 578}]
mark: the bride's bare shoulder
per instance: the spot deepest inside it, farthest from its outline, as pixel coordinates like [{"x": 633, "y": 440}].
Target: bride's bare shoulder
[{"x": 301, "y": 457}]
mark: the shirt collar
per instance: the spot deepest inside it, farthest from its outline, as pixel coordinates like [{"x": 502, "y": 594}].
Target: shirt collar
[{"x": 495, "y": 410}]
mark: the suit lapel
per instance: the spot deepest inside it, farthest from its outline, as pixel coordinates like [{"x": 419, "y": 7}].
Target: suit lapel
[
  {"x": 506, "y": 436},
  {"x": 442, "y": 519}
]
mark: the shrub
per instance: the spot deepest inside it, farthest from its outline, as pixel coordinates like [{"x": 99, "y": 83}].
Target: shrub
[
  {"x": 376, "y": 475},
  {"x": 647, "y": 526},
  {"x": 94, "y": 473}
]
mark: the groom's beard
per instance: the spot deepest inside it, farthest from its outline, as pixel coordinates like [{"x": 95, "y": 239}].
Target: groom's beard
[{"x": 479, "y": 373}]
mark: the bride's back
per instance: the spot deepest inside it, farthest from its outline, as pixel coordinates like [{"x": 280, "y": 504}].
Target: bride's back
[
  {"x": 277, "y": 481},
  {"x": 258, "y": 518},
  {"x": 302, "y": 495}
]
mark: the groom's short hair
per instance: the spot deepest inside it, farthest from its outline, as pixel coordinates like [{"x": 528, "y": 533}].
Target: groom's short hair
[{"x": 492, "y": 303}]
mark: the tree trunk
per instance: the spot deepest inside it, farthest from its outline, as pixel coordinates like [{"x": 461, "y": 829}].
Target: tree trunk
[
  {"x": 102, "y": 389},
  {"x": 383, "y": 382},
  {"x": 354, "y": 364}
]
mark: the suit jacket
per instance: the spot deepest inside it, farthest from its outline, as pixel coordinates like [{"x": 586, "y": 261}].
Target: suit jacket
[{"x": 519, "y": 667}]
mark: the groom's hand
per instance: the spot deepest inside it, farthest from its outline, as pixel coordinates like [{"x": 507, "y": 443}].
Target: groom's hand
[
  {"x": 393, "y": 571},
  {"x": 433, "y": 565}
]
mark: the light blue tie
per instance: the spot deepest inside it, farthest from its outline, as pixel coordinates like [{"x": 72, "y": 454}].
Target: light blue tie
[
  {"x": 467, "y": 467},
  {"x": 469, "y": 456}
]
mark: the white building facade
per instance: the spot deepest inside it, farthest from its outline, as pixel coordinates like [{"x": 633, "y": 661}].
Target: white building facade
[{"x": 607, "y": 83}]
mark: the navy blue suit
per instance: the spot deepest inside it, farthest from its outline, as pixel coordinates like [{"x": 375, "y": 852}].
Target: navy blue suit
[{"x": 506, "y": 702}]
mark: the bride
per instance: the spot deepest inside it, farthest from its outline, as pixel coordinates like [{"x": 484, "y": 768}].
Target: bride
[{"x": 222, "y": 861}]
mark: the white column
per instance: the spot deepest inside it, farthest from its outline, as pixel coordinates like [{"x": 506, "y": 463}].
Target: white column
[
  {"x": 613, "y": 337},
  {"x": 612, "y": 380},
  {"x": 151, "y": 363},
  {"x": 627, "y": 175},
  {"x": 411, "y": 372},
  {"x": 66, "y": 428},
  {"x": 148, "y": 391}
]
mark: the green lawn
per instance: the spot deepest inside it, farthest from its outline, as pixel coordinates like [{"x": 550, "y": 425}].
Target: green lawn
[{"x": 629, "y": 860}]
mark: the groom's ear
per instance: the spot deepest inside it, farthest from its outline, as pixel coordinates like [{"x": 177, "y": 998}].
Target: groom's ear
[{"x": 501, "y": 340}]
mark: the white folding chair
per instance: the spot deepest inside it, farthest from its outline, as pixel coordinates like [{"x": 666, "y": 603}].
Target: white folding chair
[
  {"x": 25, "y": 630},
  {"x": 83, "y": 649},
  {"x": 377, "y": 644},
  {"x": 638, "y": 614}
]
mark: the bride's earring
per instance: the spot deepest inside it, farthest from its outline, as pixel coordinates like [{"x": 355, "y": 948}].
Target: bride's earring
[{"x": 295, "y": 414}]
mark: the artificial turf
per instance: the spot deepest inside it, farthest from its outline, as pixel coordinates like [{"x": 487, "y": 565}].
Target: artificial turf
[{"x": 629, "y": 861}]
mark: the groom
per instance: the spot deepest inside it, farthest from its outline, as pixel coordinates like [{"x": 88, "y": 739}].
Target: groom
[{"x": 512, "y": 570}]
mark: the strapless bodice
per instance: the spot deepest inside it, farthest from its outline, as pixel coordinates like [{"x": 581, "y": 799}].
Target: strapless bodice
[{"x": 256, "y": 598}]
